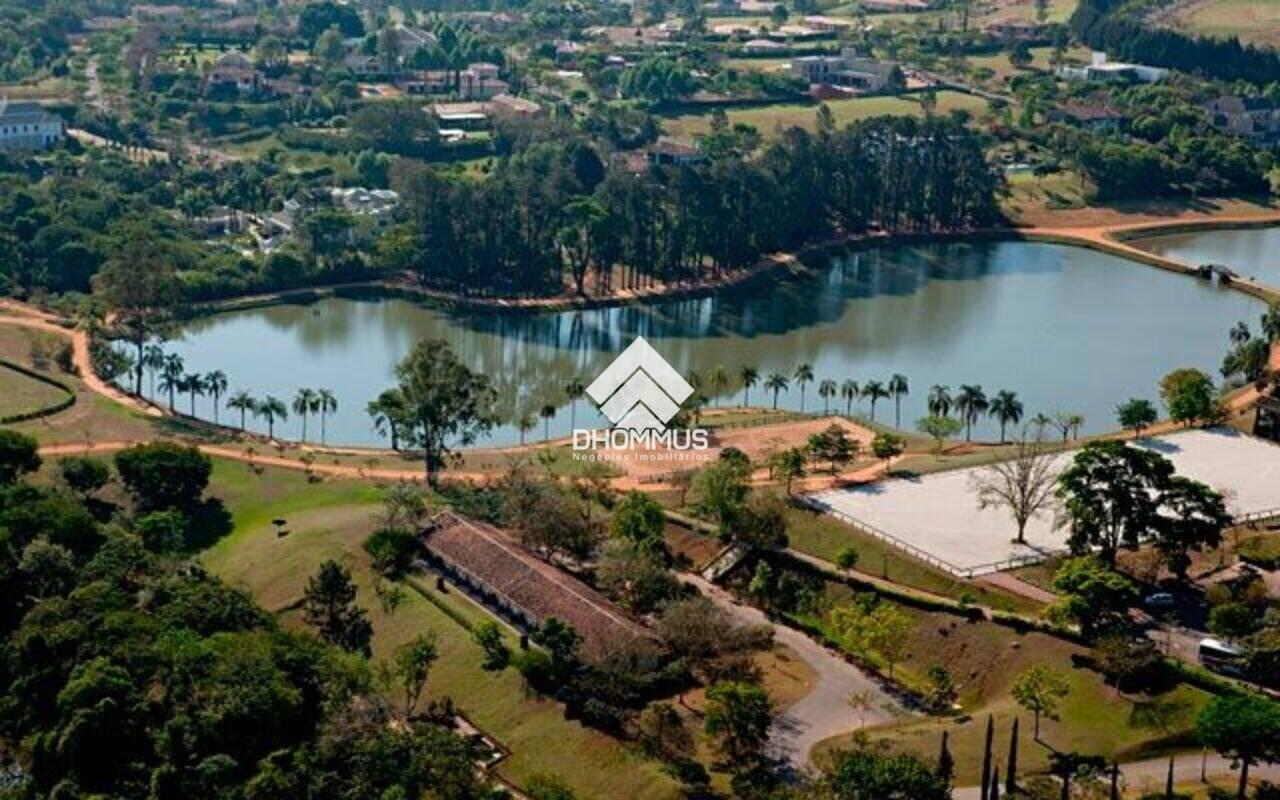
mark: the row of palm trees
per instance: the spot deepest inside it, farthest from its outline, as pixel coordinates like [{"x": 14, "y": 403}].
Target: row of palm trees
[{"x": 168, "y": 374}]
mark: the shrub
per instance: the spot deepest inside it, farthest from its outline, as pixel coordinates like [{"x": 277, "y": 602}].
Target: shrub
[
  {"x": 163, "y": 474},
  {"x": 392, "y": 550},
  {"x": 19, "y": 454}
]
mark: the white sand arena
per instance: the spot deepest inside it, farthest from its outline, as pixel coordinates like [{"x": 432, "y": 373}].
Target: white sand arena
[{"x": 937, "y": 516}]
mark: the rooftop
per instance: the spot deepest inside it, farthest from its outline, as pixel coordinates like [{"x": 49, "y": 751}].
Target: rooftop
[{"x": 520, "y": 579}]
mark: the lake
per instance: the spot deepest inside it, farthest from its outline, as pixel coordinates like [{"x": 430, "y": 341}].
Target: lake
[
  {"x": 1068, "y": 329},
  {"x": 1252, "y": 252}
]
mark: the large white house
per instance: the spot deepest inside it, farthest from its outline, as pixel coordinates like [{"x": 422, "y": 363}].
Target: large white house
[{"x": 27, "y": 126}]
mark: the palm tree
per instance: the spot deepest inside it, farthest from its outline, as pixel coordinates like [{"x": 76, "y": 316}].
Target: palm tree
[
  {"x": 243, "y": 402},
  {"x": 875, "y": 391},
  {"x": 1076, "y": 421},
  {"x": 525, "y": 423},
  {"x": 719, "y": 380},
  {"x": 776, "y": 382},
  {"x": 940, "y": 402},
  {"x": 971, "y": 402},
  {"x": 826, "y": 390},
  {"x": 387, "y": 411},
  {"x": 1271, "y": 323},
  {"x": 749, "y": 377},
  {"x": 574, "y": 390},
  {"x": 327, "y": 404},
  {"x": 216, "y": 384},
  {"x": 899, "y": 388},
  {"x": 1041, "y": 421},
  {"x": 546, "y": 412},
  {"x": 171, "y": 377},
  {"x": 194, "y": 386},
  {"x": 849, "y": 391},
  {"x": 304, "y": 402},
  {"x": 694, "y": 379},
  {"x": 1007, "y": 408},
  {"x": 271, "y": 409},
  {"x": 153, "y": 361},
  {"x": 804, "y": 374}
]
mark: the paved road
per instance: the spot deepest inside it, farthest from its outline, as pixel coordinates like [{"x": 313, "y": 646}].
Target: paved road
[
  {"x": 1150, "y": 775},
  {"x": 825, "y": 711}
]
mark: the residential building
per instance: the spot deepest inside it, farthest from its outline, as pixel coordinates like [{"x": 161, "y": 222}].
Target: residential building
[
  {"x": 670, "y": 153},
  {"x": 28, "y": 126},
  {"x": 1091, "y": 116},
  {"x": 375, "y": 203},
  {"x": 523, "y": 588},
  {"x": 849, "y": 70},
  {"x": 1100, "y": 69},
  {"x": 510, "y": 106},
  {"x": 1254, "y": 118}
]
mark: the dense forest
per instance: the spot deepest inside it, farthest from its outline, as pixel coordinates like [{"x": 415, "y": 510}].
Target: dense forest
[
  {"x": 554, "y": 211},
  {"x": 1118, "y": 27}
]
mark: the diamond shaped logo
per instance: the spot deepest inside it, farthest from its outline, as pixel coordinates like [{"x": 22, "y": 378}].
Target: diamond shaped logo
[{"x": 639, "y": 390}]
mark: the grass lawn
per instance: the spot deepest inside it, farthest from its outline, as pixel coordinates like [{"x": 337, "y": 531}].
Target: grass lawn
[
  {"x": 92, "y": 417},
  {"x": 1254, "y": 21},
  {"x": 22, "y": 394},
  {"x": 768, "y": 119},
  {"x": 757, "y": 64},
  {"x": 1061, "y": 190},
  {"x": 330, "y": 520},
  {"x": 1007, "y": 10},
  {"x": 824, "y": 536}
]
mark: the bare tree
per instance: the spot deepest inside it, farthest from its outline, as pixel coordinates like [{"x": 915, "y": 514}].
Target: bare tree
[{"x": 1023, "y": 484}]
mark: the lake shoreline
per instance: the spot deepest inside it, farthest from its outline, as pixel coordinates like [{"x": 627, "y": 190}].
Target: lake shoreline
[{"x": 1118, "y": 240}]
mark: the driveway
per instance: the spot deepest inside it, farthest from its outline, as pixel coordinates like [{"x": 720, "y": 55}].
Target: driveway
[{"x": 825, "y": 711}]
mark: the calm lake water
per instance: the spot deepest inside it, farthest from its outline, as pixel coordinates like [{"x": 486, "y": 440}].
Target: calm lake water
[
  {"x": 1253, "y": 252},
  {"x": 1067, "y": 329}
]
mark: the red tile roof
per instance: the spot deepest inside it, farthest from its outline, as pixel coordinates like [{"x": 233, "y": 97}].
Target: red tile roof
[{"x": 497, "y": 563}]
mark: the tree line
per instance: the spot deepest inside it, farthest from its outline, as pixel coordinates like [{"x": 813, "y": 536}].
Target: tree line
[{"x": 553, "y": 215}]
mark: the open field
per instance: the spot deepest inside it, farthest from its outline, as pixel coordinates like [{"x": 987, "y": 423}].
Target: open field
[
  {"x": 330, "y": 520},
  {"x": 1025, "y": 10},
  {"x": 768, "y": 119},
  {"x": 22, "y": 394},
  {"x": 1254, "y": 21},
  {"x": 939, "y": 514}
]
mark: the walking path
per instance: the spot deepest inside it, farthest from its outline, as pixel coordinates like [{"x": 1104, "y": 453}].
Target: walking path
[
  {"x": 1016, "y": 586},
  {"x": 825, "y": 711},
  {"x": 1151, "y": 774}
]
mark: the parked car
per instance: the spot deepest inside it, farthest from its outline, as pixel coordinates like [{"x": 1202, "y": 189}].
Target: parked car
[{"x": 1159, "y": 601}]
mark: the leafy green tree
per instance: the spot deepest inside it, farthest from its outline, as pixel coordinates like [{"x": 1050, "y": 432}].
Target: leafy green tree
[
  {"x": 329, "y": 49},
  {"x": 1189, "y": 395},
  {"x": 140, "y": 284},
  {"x": 1136, "y": 414},
  {"x": 488, "y": 635},
  {"x": 447, "y": 403},
  {"x": 1192, "y": 517},
  {"x": 83, "y": 475},
  {"x": 1244, "y": 728},
  {"x": 865, "y": 774},
  {"x": 562, "y": 643},
  {"x": 788, "y": 464},
  {"x": 939, "y": 429},
  {"x": 888, "y": 446},
  {"x": 847, "y": 557},
  {"x": 1092, "y": 595},
  {"x": 19, "y": 454},
  {"x": 738, "y": 717},
  {"x": 329, "y": 606},
  {"x": 411, "y": 665},
  {"x": 48, "y": 569},
  {"x": 319, "y": 17},
  {"x": 640, "y": 519},
  {"x": 163, "y": 475},
  {"x": 1110, "y": 493},
  {"x": 1232, "y": 620},
  {"x": 719, "y": 490},
  {"x": 162, "y": 531},
  {"x": 1040, "y": 689}
]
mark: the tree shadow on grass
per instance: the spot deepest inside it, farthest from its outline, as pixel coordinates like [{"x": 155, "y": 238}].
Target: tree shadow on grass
[{"x": 208, "y": 521}]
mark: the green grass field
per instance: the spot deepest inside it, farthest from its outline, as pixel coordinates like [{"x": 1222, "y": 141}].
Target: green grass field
[
  {"x": 1254, "y": 21},
  {"x": 330, "y": 520},
  {"x": 769, "y": 119},
  {"x": 22, "y": 394}
]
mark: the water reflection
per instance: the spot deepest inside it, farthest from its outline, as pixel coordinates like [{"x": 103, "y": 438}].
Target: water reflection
[
  {"x": 1254, "y": 253},
  {"x": 1068, "y": 329}
]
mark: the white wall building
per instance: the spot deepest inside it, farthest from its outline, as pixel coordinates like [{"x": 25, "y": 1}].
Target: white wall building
[{"x": 27, "y": 126}]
